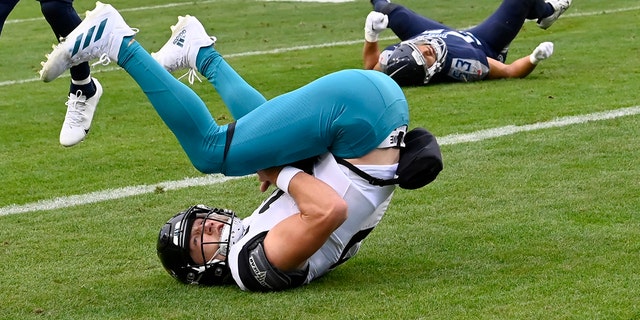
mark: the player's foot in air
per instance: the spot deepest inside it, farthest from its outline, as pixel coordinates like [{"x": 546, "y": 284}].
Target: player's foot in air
[
  {"x": 98, "y": 36},
  {"x": 80, "y": 110},
  {"x": 559, "y": 7},
  {"x": 181, "y": 50}
]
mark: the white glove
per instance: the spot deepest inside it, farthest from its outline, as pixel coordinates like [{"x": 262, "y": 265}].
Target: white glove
[
  {"x": 541, "y": 52},
  {"x": 376, "y": 22}
]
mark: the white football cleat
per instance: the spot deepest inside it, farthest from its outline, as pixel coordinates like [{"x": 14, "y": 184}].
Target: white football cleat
[
  {"x": 559, "y": 7},
  {"x": 181, "y": 51},
  {"x": 99, "y": 35},
  {"x": 79, "y": 115}
]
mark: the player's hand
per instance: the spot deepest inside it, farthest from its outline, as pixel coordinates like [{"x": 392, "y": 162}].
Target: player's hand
[
  {"x": 541, "y": 52},
  {"x": 268, "y": 177},
  {"x": 376, "y": 22}
]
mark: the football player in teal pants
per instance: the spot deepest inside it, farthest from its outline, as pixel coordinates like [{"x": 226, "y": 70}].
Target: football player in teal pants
[{"x": 348, "y": 113}]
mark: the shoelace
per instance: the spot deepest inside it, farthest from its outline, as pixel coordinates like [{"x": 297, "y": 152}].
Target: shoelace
[
  {"x": 191, "y": 75},
  {"x": 76, "y": 105},
  {"x": 104, "y": 57},
  {"x": 103, "y": 60},
  {"x": 180, "y": 63}
]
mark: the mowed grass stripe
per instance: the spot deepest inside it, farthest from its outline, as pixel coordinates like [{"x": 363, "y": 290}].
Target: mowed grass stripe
[
  {"x": 273, "y": 51},
  {"x": 112, "y": 194}
]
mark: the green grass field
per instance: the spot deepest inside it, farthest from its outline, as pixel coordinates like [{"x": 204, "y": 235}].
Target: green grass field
[{"x": 536, "y": 215}]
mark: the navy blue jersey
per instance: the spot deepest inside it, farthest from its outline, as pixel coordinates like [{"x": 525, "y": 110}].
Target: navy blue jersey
[{"x": 466, "y": 59}]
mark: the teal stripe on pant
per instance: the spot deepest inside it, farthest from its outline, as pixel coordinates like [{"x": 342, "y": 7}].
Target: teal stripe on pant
[{"x": 347, "y": 112}]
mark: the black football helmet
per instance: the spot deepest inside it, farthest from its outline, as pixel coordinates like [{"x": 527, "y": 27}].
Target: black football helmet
[
  {"x": 173, "y": 246},
  {"x": 408, "y": 67}
]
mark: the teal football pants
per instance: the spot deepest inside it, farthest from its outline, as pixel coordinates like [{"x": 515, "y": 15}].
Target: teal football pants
[{"x": 348, "y": 113}]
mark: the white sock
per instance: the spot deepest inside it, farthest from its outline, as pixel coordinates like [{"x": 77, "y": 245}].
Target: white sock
[{"x": 81, "y": 82}]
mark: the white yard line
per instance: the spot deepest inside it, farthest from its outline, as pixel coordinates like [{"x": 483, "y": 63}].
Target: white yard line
[
  {"x": 112, "y": 194},
  {"x": 558, "y": 122}
]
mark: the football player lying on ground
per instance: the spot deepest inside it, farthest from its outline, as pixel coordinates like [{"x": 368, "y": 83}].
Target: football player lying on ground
[
  {"x": 431, "y": 52},
  {"x": 84, "y": 90},
  {"x": 357, "y": 118}
]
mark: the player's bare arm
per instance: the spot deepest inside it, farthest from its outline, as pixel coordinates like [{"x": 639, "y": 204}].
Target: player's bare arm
[
  {"x": 518, "y": 69},
  {"x": 375, "y": 23},
  {"x": 370, "y": 55},
  {"x": 521, "y": 67},
  {"x": 292, "y": 241}
]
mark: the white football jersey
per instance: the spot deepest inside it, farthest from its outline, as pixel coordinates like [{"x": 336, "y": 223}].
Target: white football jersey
[{"x": 367, "y": 204}]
